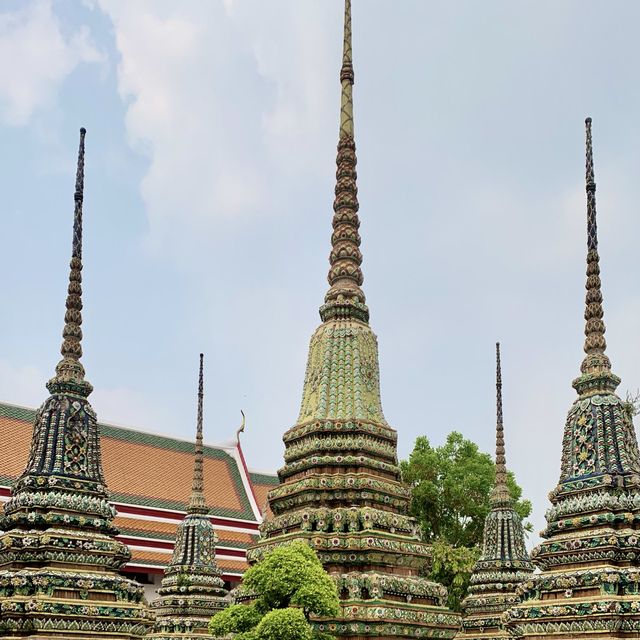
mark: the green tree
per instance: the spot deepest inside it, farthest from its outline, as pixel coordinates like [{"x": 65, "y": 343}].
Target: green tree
[
  {"x": 451, "y": 487},
  {"x": 238, "y": 619},
  {"x": 284, "y": 624},
  {"x": 288, "y": 586}
]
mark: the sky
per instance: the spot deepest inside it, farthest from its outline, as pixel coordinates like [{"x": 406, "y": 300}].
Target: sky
[{"x": 212, "y": 128}]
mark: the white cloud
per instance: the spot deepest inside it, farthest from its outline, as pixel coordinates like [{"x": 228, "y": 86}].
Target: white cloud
[
  {"x": 35, "y": 57},
  {"x": 290, "y": 45},
  {"x": 219, "y": 99}
]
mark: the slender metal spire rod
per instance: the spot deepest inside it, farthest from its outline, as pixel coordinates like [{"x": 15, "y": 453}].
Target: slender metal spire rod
[
  {"x": 196, "y": 501},
  {"x": 347, "y": 77},
  {"x": 595, "y": 343},
  {"x": 500, "y": 493},
  {"x": 345, "y": 296},
  {"x": 69, "y": 371},
  {"x": 72, "y": 333}
]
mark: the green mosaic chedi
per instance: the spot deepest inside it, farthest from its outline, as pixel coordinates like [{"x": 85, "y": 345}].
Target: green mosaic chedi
[
  {"x": 504, "y": 563},
  {"x": 340, "y": 487},
  {"x": 59, "y": 559},
  {"x": 192, "y": 589},
  {"x": 590, "y": 580}
]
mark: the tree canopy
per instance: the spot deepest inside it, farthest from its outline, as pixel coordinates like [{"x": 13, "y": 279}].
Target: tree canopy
[
  {"x": 451, "y": 487},
  {"x": 288, "y": 586}
]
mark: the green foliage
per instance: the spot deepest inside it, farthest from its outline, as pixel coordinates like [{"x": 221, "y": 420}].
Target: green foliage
[
  {"x": 234, "y": 619},
  {"x": 451, "y": 487},
  {"x": 284, "y": 624},
  {"x": 452, "y": 567},
  {"x": 289, "y": 585},
  {"x": 292, "y": 575}
]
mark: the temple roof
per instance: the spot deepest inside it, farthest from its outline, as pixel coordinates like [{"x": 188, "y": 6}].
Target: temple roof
[
  {"x": 151, "y": 502},
  {"x": 262, "y": 483}
]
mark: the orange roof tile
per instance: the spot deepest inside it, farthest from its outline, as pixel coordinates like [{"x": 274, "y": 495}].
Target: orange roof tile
[
  {"x": 262, "y": 483},
  {"x": 238, "y": 537},
  {"x": 160, "y": 560},
  {"x": 150, "y": 528},
  {"x": 232, "y": 566},
  {"x": 165, "y": 473},
  {"x": 167, "y": 530},
  {"x": 148, "y": 471},
  {"x": 16, "y": 439},
  {"x": 140, "y": 468}
]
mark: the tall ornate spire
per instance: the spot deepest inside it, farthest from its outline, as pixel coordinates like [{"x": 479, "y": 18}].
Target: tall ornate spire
[
  {"x": 346, "y": 78},
  {"x": 340, "y": 487},
  {"x": 345, "y": 297},
  {"x": 69, "y": 371},
  {"x": 504, "y": 562},
  {"x": 196, "y": 501},
  {"x": 59, "y": 541},
  {"x": 596, "y": 367},
  {"x": 500, "y": 493},
  {"x": 588, "y": 557},
  {"x": 192, "y": 588},
  {"x": 595, "y": 343}
]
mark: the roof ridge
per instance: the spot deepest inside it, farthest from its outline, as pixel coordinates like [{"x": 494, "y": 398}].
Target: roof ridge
[
  {"x": 115, "y": 427},
  {"x": 268, "y": 477}
]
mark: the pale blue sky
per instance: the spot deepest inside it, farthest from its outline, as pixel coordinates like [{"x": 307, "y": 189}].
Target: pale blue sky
[{"x": 210, "y": 158}]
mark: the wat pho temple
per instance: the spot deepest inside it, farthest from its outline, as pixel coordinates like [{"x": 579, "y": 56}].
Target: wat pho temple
[{"x": 92, "y": 545}]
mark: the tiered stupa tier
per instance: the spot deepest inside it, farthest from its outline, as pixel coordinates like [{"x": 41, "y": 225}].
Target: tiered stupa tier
[
  {"x": 340, "y": 486},
  {"x": 59, "y": 559},
  {"x": 192, "y": 589},
  {"x": 504, "y": 563},
  {"x": 589, "y": 586}
]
